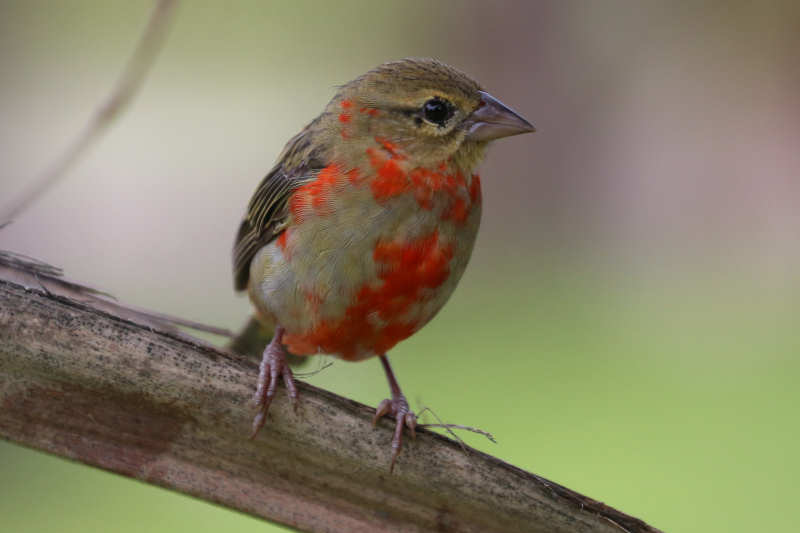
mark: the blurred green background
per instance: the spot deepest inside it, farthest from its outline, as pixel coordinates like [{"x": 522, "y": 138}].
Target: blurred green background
[{"x": 628, "y": 324}]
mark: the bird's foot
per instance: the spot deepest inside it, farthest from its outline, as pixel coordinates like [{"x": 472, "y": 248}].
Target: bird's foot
[
  {"x": 398, "y": 408},
  {"x": 273, "y": 366}
]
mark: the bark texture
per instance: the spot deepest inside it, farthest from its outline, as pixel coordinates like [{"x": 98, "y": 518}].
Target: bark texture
[{"x": 88, "y": 382}]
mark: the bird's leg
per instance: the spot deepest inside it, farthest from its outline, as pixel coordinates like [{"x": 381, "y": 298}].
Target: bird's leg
[
  {"x": 397, "y": 407},
  {"x": 273, "y": 366}
]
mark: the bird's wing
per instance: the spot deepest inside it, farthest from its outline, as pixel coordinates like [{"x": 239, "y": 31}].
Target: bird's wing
[{"x": 267, "y": 213}]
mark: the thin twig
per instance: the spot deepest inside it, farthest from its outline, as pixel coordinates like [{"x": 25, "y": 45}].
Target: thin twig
[
  {"x": 465, "y": 428},
  {"x": 124, "y": 90},
  {"x": 450, "y": 427},
  {"x": 314, "y": 372}
]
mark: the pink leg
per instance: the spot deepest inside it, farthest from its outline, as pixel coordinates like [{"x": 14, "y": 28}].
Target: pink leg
[
  {"x": 273, "y": 365},
  {"x": 397, "y": 407}
]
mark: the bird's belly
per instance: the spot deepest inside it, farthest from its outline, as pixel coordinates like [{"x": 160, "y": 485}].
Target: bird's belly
[{"x": 358, "y": 276}]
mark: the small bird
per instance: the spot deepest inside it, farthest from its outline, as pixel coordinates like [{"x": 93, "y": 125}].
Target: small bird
[{"x": 360, "y": 232}]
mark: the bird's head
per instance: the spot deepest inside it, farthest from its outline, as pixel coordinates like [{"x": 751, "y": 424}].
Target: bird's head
[{"x": 425, "y": 109}]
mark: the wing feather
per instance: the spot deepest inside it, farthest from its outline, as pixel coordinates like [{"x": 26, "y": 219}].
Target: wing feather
[{"x": 268, "y": 211}]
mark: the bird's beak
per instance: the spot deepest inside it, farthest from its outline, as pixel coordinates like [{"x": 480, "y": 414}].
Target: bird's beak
[{"x": 493, "y": 120}]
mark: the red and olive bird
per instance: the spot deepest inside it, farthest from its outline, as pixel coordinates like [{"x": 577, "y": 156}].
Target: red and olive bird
[{"x": 359, "y": 234}]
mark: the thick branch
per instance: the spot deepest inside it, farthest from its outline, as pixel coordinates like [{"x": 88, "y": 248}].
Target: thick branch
[{"x": 83, "y": 383}]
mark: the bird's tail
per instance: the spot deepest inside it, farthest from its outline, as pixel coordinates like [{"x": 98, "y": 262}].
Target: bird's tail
[{"x": 253, "y": 338}]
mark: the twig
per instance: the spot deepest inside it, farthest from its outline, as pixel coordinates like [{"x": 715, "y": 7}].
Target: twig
[
  {"x": 121, "y": 95},
  {"x": 314, "y": 372},
  {"x": 449, "y": 428},
  {"x": 464, "y": 428}
]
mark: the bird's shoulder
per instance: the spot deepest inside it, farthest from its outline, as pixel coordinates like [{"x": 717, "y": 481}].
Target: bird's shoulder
[{"x": 268, "y": 213}]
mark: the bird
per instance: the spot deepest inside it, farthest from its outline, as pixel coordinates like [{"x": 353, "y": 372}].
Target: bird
[{"x": 360, "y": 232}]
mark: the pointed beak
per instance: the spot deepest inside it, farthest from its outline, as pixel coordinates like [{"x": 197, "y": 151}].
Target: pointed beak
[{"x": 493, "y": 120}]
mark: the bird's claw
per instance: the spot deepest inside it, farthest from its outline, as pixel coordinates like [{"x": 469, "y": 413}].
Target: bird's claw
[
  {"x": 404, "y": 417},
  {"x": 273, "y": 367}
]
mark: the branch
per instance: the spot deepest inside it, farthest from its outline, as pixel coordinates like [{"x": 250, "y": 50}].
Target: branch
[{"x": 87, "y": 384}]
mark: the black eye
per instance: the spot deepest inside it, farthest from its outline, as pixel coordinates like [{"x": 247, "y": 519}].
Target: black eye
[{"x": 437, "y": 111}]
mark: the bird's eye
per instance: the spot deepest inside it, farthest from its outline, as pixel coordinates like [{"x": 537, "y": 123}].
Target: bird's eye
[{"x": 437, "y": 111}]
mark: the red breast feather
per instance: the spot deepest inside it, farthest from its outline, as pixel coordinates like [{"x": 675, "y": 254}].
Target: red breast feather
[{"x": 387, "y": 307}]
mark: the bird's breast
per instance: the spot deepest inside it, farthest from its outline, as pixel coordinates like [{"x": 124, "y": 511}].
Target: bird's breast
[{"x": 370, "y": 254}]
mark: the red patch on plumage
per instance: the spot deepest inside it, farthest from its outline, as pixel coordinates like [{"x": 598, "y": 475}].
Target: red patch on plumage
[
  {"x": 298, "y": 204},
  {"x": 405, "y": 270},
  {"x": 391, "y": 179},
  {"x": 423, "y": 194},
  {"x": 345, "y": 117},
  {"x": 281, "y": 240},
  {"x": 315, "y": 195},
  {"x": 475, "y": 195},
  {"x": 354, "y": 176},
  {"x": 457, "y": 212},
  {"x": 412, "y": 265},
  {"x": 390, "y": 171},
  {"x": 346, "y": 104},
  {"x": 371, "y": 111},
  {"x": 390, "y": 147},
  {"x": 376, "y": 159},
  {"x": 426, "y": 182}
]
